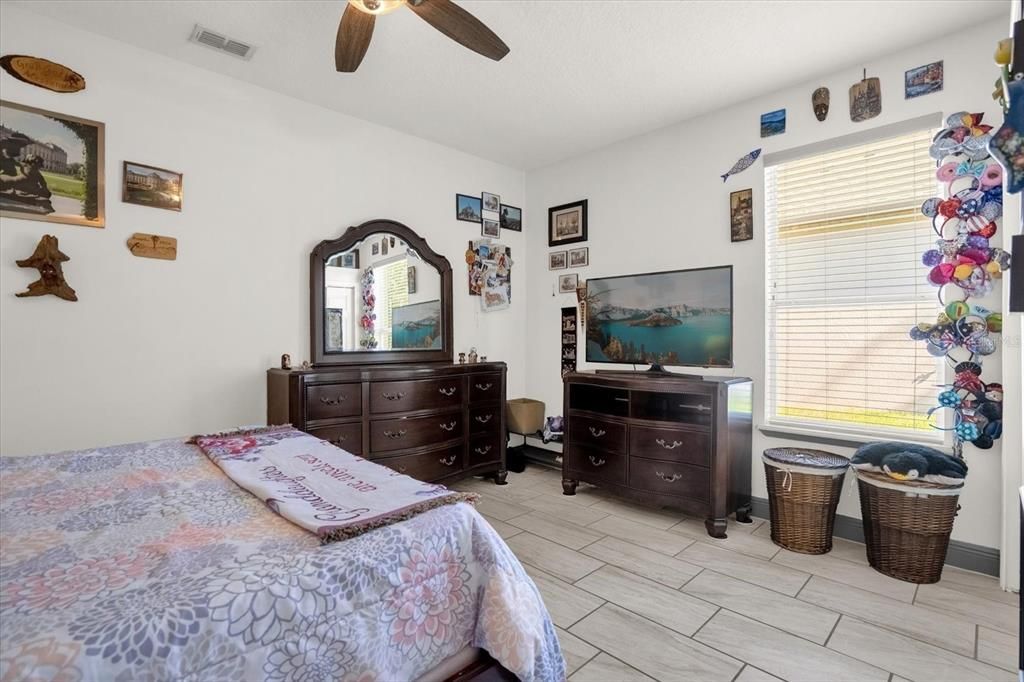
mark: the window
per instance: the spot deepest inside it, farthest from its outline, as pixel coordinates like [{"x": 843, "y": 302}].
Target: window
[
  {"x": 845, "y": 284},
  {"x": 391, "y": 287}
]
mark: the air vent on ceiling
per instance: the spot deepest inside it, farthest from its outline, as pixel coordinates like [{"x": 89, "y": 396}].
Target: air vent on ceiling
[{"x": 217, "y": 41}]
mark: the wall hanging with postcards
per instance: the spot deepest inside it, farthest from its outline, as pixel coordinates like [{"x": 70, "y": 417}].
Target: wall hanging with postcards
[
  {"x": 569, "y": 326},
  {"x": 489, "y": 272}
]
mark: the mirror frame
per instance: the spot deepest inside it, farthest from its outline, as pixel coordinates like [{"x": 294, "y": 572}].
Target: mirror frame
[{"x": 357, "y": 233}]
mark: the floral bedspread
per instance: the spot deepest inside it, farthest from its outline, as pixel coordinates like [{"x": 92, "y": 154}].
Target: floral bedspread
[{"x": 144, "y": 562}]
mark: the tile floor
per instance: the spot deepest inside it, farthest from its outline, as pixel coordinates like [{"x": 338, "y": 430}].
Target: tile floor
[{"x": 643, "y": 593}]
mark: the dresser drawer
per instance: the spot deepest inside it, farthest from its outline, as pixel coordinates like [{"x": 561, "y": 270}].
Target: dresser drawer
[
  {"x": 669, "y": 478},
  {"x": 485, "y": 419},
  {"x": 429, "y": 466},
  {"x": 484, "y": 387},
  {"x": 484, "y": 449},
  {"x": 597, "y": 433},
  {"x": 329, "y": 401},
  {"x": 423, "y": 394},
  {"x": 413, "y": 432},
  {"x": 673, "y": 445},
  {"x": 348, "y": 437},
  {"x": 598, "y": 464}
]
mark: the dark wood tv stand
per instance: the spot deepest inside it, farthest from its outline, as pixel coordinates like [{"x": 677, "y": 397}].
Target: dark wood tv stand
[{"x": 661, "y": 438}]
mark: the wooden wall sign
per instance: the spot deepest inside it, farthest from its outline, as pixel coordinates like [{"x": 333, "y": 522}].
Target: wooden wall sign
[
  {"x": 47, "y": 258},
  {"x": 42, "y": 73},
  {"x": 153, "y": 246}
]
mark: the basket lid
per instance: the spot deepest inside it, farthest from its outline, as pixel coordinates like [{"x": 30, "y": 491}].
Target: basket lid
[{"x": 805, "y": 457}]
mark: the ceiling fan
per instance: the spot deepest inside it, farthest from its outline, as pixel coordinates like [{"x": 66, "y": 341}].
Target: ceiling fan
[{"x": 356, "y": 28}]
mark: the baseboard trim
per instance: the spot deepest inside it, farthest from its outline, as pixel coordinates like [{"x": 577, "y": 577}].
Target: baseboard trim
[{"x": 960, "y": 554}]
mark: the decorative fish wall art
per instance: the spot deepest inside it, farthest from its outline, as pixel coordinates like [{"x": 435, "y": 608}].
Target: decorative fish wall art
[{"x": 743, "y": 164}]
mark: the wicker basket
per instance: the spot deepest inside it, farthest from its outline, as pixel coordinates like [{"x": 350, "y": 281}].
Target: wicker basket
[
  {"x": 906, "y": 526},
  {"x": 803, "y": 492}
]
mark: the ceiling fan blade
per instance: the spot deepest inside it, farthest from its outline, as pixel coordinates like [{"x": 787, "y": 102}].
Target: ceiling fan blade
[
  {"x": 354, "y": 33},
  {"x": 460, "y": 26}
]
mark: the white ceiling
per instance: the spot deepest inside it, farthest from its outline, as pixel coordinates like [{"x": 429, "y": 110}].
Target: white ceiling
[{"x": 581, "y": 74}]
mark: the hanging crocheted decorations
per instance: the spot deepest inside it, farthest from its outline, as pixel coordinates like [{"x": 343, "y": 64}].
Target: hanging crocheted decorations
[
  {"x": 367, "y": 339},
  {"x": 964, "y": 265}
]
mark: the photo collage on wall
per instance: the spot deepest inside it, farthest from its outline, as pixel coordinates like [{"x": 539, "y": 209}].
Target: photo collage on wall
[
  {"x": 568, "y": 332},
  {"x": 490, "y": 273}
]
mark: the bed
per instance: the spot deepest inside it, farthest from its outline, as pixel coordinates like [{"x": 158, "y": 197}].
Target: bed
[{"x": 145, "y": 562}]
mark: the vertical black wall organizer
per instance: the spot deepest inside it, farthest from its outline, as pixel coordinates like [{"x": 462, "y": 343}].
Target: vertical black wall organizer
[{"x": 568, "y": 327}]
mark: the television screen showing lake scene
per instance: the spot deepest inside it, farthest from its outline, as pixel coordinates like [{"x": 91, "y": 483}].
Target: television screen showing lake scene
[
  {"x": 681, "y": 318},
  {"x": 416, "y": 326}
]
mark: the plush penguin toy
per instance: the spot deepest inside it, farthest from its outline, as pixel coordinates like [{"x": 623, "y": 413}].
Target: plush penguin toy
[{"x": 910, "y": 462}]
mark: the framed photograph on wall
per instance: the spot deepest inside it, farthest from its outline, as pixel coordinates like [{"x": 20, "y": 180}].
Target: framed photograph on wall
[
  {"x": 467, "y": 208},
  {"x": 56, "y": 166},
  {"x": 922, "y": 80},
  {"x": 490, "y": 202},
  {"x": 151, "y": 186},
  {"x": 511, "y": 218},
  {"x": 350, "y": 259},
  {"x": 579, "y": 258},
  {"x": 741, "y": 215},
  {"x": 558, "y": 260},
  {"x": 567, "y": 224},
  {"x": 567, "y": 283},
  {"x": 411, "y": 274},
  {"x": 490, "y": 228}
]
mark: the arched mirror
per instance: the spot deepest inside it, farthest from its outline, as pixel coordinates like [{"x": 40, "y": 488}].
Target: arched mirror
[{"x": 379, "y": 293}]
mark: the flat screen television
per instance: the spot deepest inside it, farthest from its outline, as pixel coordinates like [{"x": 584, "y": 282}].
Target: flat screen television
[{"x": 681, "y": 318}]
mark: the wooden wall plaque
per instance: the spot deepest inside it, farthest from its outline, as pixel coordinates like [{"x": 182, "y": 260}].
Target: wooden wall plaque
[{"x": 153, "y": 246}]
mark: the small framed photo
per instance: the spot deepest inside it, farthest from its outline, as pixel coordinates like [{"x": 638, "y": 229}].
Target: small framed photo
[
  {"x": 467, "y": 208},
  {"x": 579, "y": 258},
  {"x": 491, "y": 202},
  {"x": 558, "y": 260},
  {"x": 922, "y": 80},
  {"x": 151, "y": 186},
  {"x": 567, "y": 283},
  {"x": 375, "y": 249},
  {"x": 741, "y": 215},
  {"x": 350, "y": 260},
  {"x": 511, "y": 218},
  {"x": 411, "y": 274},
  {"x": 567, "y": 224},
  {"x": 490, "y": 228},
  {"x": 773, "y": 123},
  {"x": 384, "y": 246}
]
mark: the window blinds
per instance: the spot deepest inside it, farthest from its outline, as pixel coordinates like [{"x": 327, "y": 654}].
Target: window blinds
[
  {"x": 393, "y": 291},
  {"x": 845, "y": 284}
]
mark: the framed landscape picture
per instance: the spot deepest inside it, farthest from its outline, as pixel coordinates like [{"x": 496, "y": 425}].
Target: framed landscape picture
[
  {"x": 467, "y": 208},
  {"x": 490, "y": 228},
  {"x": 51, "y": 166},
  {"x": 922, "y": 80},
  {"x": 567, "y": 224},
  {"x": 567, "y": 283},
  {"x": 511, "y": 218},
  {"x": 579, "y": 258},
  {"x": 557, "y": 260},
  {"x": 151, "y": 186}
]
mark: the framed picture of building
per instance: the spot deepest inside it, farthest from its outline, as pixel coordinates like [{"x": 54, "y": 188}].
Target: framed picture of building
[
  {"x": 51, "y": 166},
  {"x": 151, "y": 186}
]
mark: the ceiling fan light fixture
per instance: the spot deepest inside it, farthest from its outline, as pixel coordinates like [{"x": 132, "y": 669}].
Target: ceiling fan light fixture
[{"x": 376, "y": 7}]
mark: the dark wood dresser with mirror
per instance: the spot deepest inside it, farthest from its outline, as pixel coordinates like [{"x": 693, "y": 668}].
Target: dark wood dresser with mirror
[
  {"x": 664, "y": 439},
  {"x": 383, "y": 385}
]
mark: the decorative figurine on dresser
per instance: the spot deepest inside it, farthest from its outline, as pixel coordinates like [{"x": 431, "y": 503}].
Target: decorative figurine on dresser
[
  {"x": 662, "y": 438},
  {"x": 399, "y": 400}
]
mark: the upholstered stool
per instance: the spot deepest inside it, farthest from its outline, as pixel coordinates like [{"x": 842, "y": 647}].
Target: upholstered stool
[{"x": 803, "y": 492}]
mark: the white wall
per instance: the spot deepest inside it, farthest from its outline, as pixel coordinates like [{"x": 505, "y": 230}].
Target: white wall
[
  {"x": 656, "y": 202},
  {"x": 158, "y": 348}
]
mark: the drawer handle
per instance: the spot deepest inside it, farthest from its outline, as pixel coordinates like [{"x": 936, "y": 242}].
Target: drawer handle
[
  {"x": 449, "y": 392},
  {"x": 597, "y": 433},
  {"x": 401, "y": 469},
  {"x": 394, "y": 435},
  {"x": 450, "y": 426},
  {"x": 484, "y": 419},
  {"x": 675, "y": 444},
  {"x": 332, "y": 401},
  {"x": 597, "y": 462},
  {"x": 393, "y": 396},
  {"x": 448, "y": 461},
  {"x": 668, "y": 479},
  {"x": 699, "y": 408},
  {"x": 339, "y": 440},
  {"x": 484, "y": 387},
  {"x": 482, "y": 451}
]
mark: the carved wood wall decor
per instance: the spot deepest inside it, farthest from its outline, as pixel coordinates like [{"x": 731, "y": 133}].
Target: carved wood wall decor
[
  {"x": 153, "y": 246},
  {"x": 47, "y": 258},
  {"x": 42, "y": 73}
]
